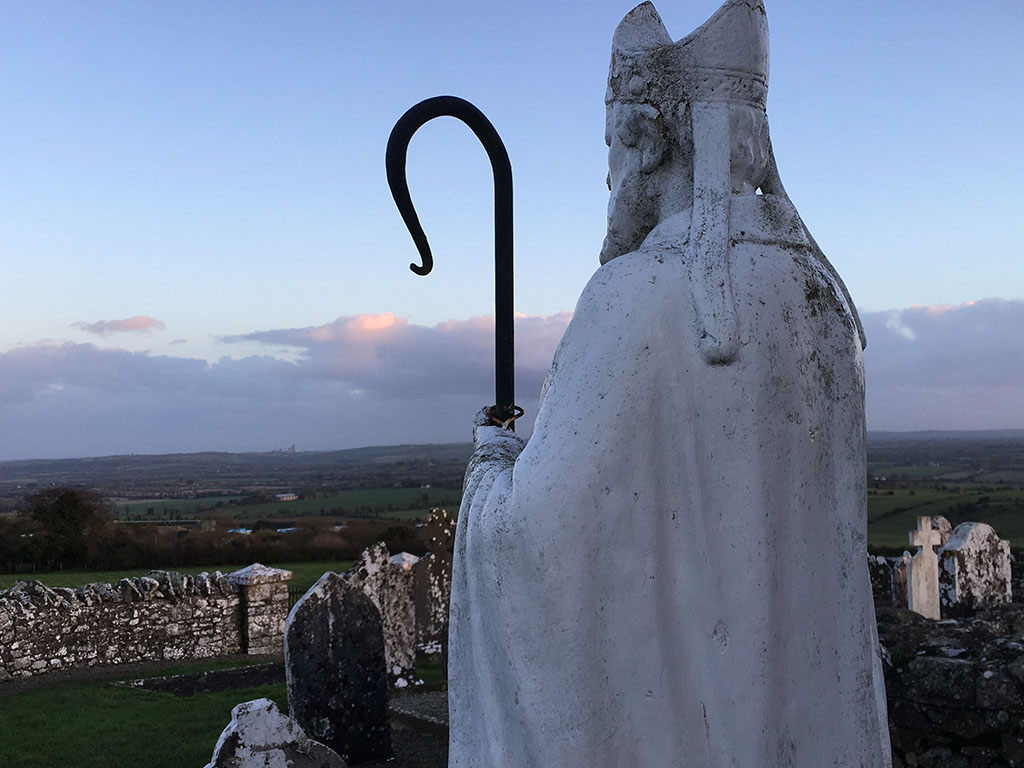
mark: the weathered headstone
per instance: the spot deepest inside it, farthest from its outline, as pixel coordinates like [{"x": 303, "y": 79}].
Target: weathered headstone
[
  {"x": 900, "y": 564},
  {"x": 923, "y": 571},
  {"x": 335, "y": 667},
  {"x": 259, "y": 736},
  {"x": 390, "y": 588},
  {"x": 433, "y": 582},
  {"x": 899, "y": 580},
  {"x": 974, "y": 569}
]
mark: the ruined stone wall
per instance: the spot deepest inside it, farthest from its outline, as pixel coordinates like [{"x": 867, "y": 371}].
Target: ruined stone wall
[
  {"x": 159, "y": 616},
  {"x": 955, "y": 688}
]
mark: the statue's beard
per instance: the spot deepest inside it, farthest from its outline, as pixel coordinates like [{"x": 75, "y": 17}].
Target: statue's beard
[{"x": 631, "y": 217}]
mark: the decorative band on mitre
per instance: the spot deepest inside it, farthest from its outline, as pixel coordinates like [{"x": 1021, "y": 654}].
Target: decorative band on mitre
[
  {"x": 639, "y": 82},
  {"x": 723, "y": 60}
]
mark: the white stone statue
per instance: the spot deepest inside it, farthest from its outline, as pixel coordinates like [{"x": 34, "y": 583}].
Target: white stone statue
[{"x": 672, "y": 571}]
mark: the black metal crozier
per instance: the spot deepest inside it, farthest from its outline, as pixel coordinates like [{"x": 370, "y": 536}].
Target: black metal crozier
[{"x": 398, "y": 146}]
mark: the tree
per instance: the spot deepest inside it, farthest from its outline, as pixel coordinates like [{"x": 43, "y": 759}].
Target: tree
[{"x": 71, "y": 524}]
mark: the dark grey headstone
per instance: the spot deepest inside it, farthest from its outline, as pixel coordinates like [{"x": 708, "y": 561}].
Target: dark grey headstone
[{"x": 337, "y": 679}]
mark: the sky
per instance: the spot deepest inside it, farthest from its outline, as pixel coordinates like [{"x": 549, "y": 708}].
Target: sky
[{"x": 199, "y": 250}]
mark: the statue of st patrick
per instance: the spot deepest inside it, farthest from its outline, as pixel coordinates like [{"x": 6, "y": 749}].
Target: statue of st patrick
[{"x": 672, "y": 572}]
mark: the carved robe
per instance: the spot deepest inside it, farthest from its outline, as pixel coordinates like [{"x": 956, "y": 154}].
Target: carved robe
[{"x": 672, "y": 571}]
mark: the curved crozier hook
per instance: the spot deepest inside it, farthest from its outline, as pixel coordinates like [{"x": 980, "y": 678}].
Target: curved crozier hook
[{"x": 397, "y": 151}]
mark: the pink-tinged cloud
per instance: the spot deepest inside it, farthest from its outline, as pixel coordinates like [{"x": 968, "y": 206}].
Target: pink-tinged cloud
[
  {"x": 379, "y": 379},
  {"x": 386, "y": 356},
  {"x": 137, "y": 324}
]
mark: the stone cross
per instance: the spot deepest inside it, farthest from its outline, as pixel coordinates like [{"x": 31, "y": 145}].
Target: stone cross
[{"x": 923, "y": 571}]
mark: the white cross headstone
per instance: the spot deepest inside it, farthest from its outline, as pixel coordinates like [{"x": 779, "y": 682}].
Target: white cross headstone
[{"x": 923, "y": 571}]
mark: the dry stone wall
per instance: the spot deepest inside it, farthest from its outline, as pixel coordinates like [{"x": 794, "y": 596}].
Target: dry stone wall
[{"x": 160, "y": 616}]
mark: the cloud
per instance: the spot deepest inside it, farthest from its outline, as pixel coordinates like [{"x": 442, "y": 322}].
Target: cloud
[
  {"x": 379, "y": 379},
  {"x": 386, "y": 356},
  {"x": 946, "y": 367},
  {"x": 137, "y": 324},
  {"x": 369, "y": 379}
]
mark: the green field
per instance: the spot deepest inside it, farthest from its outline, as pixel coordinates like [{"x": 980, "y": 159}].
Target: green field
[
  {"x": 375, "y": 502},
  {"x": 891, "y": 517},
  {"x": 162, "y": 506},
  {"x": 395, "y": 503},
  {"x": 304, "y": 575}
]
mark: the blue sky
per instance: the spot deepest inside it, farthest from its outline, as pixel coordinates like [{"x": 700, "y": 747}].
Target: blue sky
[{"x": 218, "y": 169}]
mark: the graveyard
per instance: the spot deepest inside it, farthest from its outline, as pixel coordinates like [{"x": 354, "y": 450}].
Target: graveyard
[
  {"x": 952, "y": 681},
  {"x": 671, "y": 538}
]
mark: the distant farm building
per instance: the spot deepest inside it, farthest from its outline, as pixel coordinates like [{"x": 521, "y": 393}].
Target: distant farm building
[{"x": 286, "y": 497}]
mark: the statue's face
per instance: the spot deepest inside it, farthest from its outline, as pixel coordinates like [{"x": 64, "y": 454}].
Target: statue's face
[
  {"x": 650, "y": 175},
  {"x": 633, "y": 152},
  {"x": 748, "y": 144}
]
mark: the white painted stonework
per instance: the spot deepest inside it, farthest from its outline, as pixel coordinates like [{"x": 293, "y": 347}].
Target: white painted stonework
[
  {"x": 672, "y": 570},
  {"x": 974, "y": 568},
  {"x": 923, "y": 570}
]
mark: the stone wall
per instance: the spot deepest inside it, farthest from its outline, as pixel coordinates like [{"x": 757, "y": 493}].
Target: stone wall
[
  {"x": 955, "y": 688},
  {"x": 159, "y": 616}
]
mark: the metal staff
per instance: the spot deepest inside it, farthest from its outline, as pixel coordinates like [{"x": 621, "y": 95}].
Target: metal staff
[{"x": 504, "y": 411}]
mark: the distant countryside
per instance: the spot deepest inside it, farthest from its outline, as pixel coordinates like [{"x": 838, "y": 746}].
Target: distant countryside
[{"x": 78, "y": 520}]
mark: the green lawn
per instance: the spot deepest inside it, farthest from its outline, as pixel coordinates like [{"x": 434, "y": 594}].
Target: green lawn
[
  {"x": 99, "y": 725},
  {"x": 96, "y": 725},
  {"x": 304, "y": 575}
]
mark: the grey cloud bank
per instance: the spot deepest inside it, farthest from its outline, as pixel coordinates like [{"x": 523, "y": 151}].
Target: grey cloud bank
[{"x": 377, "y": 379}]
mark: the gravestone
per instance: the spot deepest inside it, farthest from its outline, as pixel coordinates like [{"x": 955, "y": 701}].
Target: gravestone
[
  {"x": 899, "y": 580},
  {"x": 390, "y": 588},
  {"x": 259, "y": 736},
  {"x": 433, "y": 582},
  {"x": 974, "y": 569},
  {"x": 900, "y": 564},
  {"x": 335, "y": 668},
  {"x": 923, "y": 571}
]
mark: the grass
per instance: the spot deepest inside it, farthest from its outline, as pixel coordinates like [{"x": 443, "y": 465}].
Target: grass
[
  {"x": 400, "y": 503},
  {"x": 160, "y": 506},
  {"x": 890, "y": 518},
  {"x": 304, "y": 575},
  {"x": 96, "y": 725}
]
